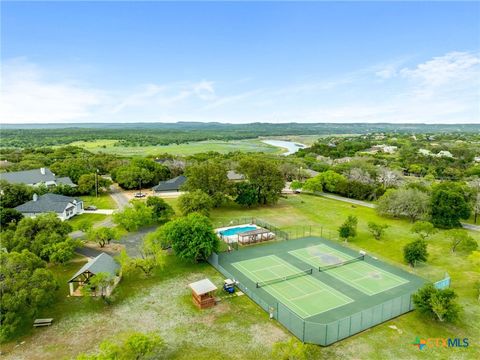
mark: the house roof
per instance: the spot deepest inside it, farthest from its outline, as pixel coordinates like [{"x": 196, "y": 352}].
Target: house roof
[
  {"x": 34, "y": 176},
  {"x": 47, "y": 203},
  {"x": 65, "y": 181},
  {"x": 172, "y": 184},
  {"x": 232, "y": 175},
  {"x": 103, "y": 263},
  {"x": 202, "y": 287}
]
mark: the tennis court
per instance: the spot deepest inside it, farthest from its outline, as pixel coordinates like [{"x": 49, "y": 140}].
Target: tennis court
[
  {"x": 294, "y": 287},
  {"x": 301, "y": 285},
  {"x": 359, "y": 274}
]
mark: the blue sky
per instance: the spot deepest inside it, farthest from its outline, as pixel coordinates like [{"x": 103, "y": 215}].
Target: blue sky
[{"x": 240, "y": 62}]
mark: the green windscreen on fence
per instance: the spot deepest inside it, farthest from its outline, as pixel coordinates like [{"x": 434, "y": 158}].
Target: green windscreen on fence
[{"x": 336, "y": 322}]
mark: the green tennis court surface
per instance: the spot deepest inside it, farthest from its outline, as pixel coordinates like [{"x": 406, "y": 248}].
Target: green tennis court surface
[
  {"x": 361, "y": 275},
  {"x": 319, "y": 307},
  {"x": 305, "y": 295}
]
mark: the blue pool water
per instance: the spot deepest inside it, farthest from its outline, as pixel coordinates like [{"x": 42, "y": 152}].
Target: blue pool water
[{"x": 237, "y": 230}]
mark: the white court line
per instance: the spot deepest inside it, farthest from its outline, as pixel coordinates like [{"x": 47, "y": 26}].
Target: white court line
[
  {"x": 341, "y": 272},
  {"x": 317, "y": 284}
]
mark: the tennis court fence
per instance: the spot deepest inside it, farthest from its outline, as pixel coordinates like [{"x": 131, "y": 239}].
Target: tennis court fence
[{"x": 324, "y": 334}]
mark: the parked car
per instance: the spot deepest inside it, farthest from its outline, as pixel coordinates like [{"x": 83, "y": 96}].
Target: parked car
[
  {"x": 91, "y": 207},
  {"x": 139, "y": 195}
]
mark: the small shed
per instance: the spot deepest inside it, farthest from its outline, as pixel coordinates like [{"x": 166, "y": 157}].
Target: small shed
[
  {"x": 102, "y": 263},
  {"x": 202, "y": 293}
]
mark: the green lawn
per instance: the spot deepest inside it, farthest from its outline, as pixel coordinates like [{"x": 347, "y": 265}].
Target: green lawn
[
  {"x": 91, "y": 218},
  {"x": 103, "y": 201},
  {"x": 234, "y": 329},
  {"x": 238, "y": 329},
  {"x": 324, "y": 216},
  {"x": 108, "y": 146}
]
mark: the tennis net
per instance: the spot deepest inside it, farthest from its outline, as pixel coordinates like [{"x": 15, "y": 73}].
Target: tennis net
[
  {"x": 328, "y": 267},
  {"x": 284, "y": 278}
]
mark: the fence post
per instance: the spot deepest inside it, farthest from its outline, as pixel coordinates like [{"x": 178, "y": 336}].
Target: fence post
[{"x": 303, "y": 335}]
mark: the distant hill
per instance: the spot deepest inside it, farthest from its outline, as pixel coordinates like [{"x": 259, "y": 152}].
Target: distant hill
[{"x": 136, "y": 134}]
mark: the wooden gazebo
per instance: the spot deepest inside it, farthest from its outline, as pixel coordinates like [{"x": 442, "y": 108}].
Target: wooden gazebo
[
  {"x": 203, "y": 293},
  {"x": 103, "y": 263}
]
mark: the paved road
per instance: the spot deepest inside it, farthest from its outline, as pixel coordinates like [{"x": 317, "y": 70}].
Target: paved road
[
  {"x": 100, "y": 211},
  {"x": 133, "y": 241},
  {"x": 471, "y": 227},
  {"x": 118, "y": 196},
  {"x": 372, "y": 206}
]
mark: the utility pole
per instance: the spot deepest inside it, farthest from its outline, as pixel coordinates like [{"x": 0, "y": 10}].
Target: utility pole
[{"x": 96, "y": 183}]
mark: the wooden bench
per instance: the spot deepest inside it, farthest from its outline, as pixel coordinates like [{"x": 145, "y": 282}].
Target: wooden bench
[{"x": 42, "y": 322}]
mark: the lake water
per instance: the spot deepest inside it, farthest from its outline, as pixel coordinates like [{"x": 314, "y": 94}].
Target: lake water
[{"x": 292, "y": 147}]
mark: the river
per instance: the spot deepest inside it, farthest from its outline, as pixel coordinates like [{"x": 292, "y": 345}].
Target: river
[{"x": 290, "y": 146}]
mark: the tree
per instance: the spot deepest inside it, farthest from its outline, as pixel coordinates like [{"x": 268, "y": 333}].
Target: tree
[
  {"x": 26, "y": 286},
  {"x": 475, "y": 186},
  {"x": 135, "y": 216},
  {"x": 209, "y": 177},
  {"x": 360, "y": 175},
  {"x": 161, "y": 211},
  {"x": 349, "y": 228},
  {"x": 12, "y": 195},
  {"x": 423, "y": 229},
  {"x": 415, "y": 251},
  {"x": 152, "y": 256},
  {"x": 43, "y": 236},
  {"x": 265, "y": 177},
  {"x": 377, "y": 230},
  {"x": 476, "y": 207},
  {"x": 449, "y": 204},
  {"x": 61, "y": 252},
  {"x": 9, "y": 216},
  {"x": 331, "y": 179},
  {"x": 246, "y": 194},
  {"x": 191, "y": 237},
  {"x": 99, "y": 284},
  {"x": 437, "y": 303},
  {"x": 103, "y": 235},
  {"x": 411, "y": 203},
  {"x": 88, "y": 184},
  {"x": 296, "y": 185},
  {"x": 195, "y": 201},
  {"x": 389, "y": 178},
  {"x": 137, "y": 346},
  {"x": 132, "y": 177},
  {"x": 313, "y": 184},
  {"x": 290, "y": 350},
  {"x": 460, "y": 240}
]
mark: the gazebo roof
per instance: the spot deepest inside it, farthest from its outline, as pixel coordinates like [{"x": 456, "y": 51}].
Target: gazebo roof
[
  {"x": 202, "y": 287},
  {"x": 253, "y": 232},
  {"x": 102, "y": 263}
]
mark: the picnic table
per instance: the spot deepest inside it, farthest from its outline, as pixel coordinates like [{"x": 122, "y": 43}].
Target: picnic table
[{"x": 42, "y": 322}]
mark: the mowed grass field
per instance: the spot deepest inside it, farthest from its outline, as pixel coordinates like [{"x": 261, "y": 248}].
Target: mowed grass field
[
  {"x": 103, "y": 201},
  {"x": 108, "y": 146},
  {"x": 237, "y": 328},
  {"x": 381, "y": 342}
]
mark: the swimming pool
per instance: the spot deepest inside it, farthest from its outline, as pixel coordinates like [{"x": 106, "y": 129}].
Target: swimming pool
[{"x": 237, "y": 230}]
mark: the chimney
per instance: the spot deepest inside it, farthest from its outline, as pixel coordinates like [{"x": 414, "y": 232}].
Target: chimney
[
  {"x": 42, "y": 171},
  {"x": 35, "y": 197}
]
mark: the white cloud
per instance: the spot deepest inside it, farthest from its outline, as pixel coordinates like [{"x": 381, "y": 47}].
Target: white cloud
[
  {"x": 444, "y": 89},
  {"x": 449, "y": 68},
  {"x": 28, "y": 94}
]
